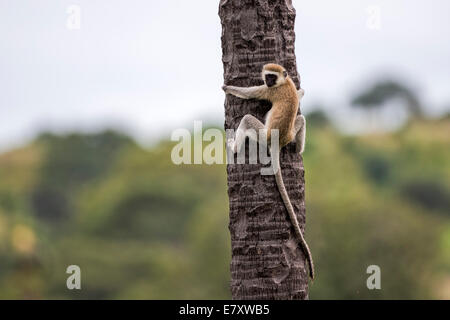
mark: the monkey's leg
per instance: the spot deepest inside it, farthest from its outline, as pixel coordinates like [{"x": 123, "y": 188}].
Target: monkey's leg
[
  {"x": 248, "y": 127},
  {"x": 300, "y": 133}
]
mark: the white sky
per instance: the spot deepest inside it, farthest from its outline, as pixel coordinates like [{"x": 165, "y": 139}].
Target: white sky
[{"x": 150, "y": 66}]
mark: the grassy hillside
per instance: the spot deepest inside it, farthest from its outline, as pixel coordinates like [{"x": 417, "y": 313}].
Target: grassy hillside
[{"x": 142, "y": 227}]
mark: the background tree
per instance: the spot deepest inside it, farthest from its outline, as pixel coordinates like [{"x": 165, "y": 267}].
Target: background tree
[
  {"x": 266, "y": 261},
  {"x": 379, "y": 93}
]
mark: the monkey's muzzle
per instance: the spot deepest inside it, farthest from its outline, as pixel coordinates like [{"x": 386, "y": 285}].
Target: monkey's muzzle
[{"x": 271, "y": 80}]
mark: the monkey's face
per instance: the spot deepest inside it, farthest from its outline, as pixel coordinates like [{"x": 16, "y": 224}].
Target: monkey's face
[
  {"x": 271, "y": 79},
  {"x": 274, "y": 78}
]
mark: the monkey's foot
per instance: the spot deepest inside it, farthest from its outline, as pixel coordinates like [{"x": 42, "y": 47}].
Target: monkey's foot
[
  {"x": 298, "y": 147},
  {"x": 232, "y": 145}
]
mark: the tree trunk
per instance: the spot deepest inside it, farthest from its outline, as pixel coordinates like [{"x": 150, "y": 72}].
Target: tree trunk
[{"x": 267, "y": 262}]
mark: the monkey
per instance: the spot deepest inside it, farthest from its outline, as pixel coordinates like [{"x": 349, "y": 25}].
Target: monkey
[{"x": 280, "y": 90}]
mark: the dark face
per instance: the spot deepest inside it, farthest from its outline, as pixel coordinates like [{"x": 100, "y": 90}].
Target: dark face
[{"x": 271, "y": 80}]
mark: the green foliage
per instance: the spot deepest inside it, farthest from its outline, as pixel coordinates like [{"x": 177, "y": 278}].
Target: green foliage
[
  {"x": 317, "y": 118},
  {"x": 141, "y": 227},
  {"x": 429, "y": 194},
  {"x": 71, "y": 161}
]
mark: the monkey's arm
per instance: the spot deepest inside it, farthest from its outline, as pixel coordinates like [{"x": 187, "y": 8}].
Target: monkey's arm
[{"x": 257, "y": 92}]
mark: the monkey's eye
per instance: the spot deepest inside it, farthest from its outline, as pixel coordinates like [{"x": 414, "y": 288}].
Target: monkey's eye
[{"x": 285, "y": 73}]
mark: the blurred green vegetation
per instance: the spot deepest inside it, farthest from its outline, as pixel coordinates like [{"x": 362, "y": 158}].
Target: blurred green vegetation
[{"x": 141, "y": 227}]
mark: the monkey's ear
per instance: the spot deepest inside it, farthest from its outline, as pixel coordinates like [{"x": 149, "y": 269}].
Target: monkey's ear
[{"x": 285, "y": 73}]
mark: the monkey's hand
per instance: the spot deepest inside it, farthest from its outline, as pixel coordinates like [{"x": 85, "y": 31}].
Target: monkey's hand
[
  {"x": 235, "y": 91},
  {"x": 229, "y": 89}
]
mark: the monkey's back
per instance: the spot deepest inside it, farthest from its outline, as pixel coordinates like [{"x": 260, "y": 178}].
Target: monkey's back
[{"x": 284, "y": 111}]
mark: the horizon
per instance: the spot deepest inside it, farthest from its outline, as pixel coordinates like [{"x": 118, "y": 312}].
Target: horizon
[{"x": 118, "y": 69}]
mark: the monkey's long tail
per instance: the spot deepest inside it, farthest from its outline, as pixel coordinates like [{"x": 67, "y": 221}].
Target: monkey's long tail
[{"x": 293, "y": 217}]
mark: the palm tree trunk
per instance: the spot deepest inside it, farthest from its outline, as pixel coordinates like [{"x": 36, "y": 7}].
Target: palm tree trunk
[{"x": 266, "y": 261}]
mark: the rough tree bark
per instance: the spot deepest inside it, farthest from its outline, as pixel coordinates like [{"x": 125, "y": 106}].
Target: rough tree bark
[{"x": 266, "y": 261}]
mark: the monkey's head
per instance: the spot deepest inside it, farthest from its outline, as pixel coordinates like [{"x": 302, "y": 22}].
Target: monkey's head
[{"x": 274, "y": 75}]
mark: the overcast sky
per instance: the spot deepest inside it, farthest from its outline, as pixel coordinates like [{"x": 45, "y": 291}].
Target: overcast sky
[{"x": 152, "y": 66}]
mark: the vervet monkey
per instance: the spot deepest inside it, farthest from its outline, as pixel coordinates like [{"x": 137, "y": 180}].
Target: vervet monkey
[{"x": 279, "y": 89}]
